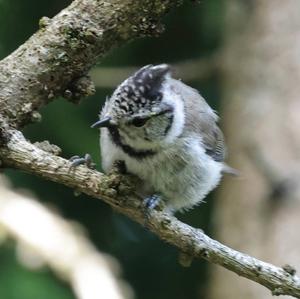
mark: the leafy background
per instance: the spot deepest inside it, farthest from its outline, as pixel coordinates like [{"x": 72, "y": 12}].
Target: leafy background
[{"x": 192, "y": 31}]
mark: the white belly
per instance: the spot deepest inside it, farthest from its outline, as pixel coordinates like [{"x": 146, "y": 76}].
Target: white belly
[{"x": 183, "y": 175}]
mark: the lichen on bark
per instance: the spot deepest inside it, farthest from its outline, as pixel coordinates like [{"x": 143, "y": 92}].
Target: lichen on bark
[{"x": 67, "y": 46}]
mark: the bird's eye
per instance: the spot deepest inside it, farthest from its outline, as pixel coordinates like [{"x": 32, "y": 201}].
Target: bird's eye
[{"x": 139, "y": 122}]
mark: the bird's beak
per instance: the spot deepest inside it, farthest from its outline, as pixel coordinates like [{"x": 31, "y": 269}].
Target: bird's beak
[{"x": 102, "y": 123}]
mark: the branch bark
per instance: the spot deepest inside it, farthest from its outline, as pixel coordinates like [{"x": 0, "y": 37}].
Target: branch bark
[
  {"x": 51, "y": 63},
  {"x": 118, "y": 191}
]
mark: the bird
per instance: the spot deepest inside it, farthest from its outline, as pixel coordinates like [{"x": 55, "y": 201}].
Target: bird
[{"x": 166, "y": 134}]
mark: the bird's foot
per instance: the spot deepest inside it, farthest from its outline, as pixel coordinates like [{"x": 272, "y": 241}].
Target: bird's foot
[
  {"x": 150, "y": 203},
  {"x": 86, "y": 160}
]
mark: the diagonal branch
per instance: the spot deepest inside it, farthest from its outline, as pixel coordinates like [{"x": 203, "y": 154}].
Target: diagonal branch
[
  {"x": 118, "y": 192},
  {"x": 52, "y": 61}
]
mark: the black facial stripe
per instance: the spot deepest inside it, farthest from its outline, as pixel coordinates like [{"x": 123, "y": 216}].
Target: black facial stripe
[
  {"x": 116, "y": 139},
  {"x": 169, "y": 125}
]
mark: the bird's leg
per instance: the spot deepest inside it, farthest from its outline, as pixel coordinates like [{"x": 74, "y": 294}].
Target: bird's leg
[
  {"x": 152, "y": 202},
  {"x": 87, "y": 160},
  {"x": 149, "y": 204}
]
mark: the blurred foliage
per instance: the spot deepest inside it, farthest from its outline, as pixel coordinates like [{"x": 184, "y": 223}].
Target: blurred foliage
[
  {"x": 17, "y": 282},
  {"x": 192, "y": 31}
]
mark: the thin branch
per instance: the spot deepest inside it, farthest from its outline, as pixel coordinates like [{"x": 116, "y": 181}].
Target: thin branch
[
  {"x": 189, "y": 70},
  {"x": 118, "y": 191},
  {"x": 91, "y": 274}
]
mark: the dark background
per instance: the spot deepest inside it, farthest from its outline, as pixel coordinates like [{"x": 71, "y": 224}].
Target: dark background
[{"x": 192, "y": 31}]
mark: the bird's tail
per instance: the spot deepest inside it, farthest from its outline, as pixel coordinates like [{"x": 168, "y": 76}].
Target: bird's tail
[{"x": 231, "y": 171}]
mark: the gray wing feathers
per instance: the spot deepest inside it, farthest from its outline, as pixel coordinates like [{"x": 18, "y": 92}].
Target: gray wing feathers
[
  {"x": 214, "y": 144},
  {"x": 202, "y": 120}
]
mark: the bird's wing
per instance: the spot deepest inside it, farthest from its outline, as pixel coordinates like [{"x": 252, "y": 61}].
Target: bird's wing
[
  {"x": 201, "y": 120},
  {"x": 213, "y": 142}
]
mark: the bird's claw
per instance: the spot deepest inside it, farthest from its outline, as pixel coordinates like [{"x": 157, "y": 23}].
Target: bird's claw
[
  {"x": 86, "y": 160},
  {"x": 149, "y": 204}
]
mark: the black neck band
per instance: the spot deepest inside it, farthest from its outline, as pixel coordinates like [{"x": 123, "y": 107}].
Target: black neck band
[{"x": 130, "y": 151}]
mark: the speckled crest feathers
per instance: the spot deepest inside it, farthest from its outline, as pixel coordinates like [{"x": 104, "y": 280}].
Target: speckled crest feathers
[{"x": 141, "y": 91}]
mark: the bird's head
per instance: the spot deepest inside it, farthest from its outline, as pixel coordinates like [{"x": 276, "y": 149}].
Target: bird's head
[{"x": 145, "y": 111}]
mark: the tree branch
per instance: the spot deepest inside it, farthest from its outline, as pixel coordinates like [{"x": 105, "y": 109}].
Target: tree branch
[
  {"x": 188, "y": 70},
  {"x": 118, "y": 191},
  {"x": 52, "y": 61}
]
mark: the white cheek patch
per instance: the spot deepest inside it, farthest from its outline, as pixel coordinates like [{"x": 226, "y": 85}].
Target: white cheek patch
[{"x": 172, "y": 98}]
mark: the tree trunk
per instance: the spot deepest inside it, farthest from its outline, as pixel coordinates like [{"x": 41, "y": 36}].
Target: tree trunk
[{"x": 259, "y": 213}]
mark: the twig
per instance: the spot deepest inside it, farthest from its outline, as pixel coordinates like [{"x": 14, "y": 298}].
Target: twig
[{"x": 117, "y": 191}]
